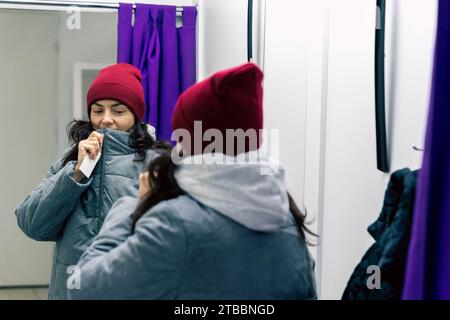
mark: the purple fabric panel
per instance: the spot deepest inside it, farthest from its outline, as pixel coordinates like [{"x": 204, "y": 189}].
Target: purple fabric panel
[
  {"x": 165, "y": 56},
  {"x": 187, "y": 48},
  {"x": 169, "y": 74},
  {"x": 153, "y": 58},
  {"x": 124, "y": 33},
  {"x": 141, "y": 42},
  {"x": 427, "y": 270}
]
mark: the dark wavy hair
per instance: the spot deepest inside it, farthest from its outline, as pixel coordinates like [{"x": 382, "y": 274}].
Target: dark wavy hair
[
  {"x": 78, "y": 130},
  {"x": 163, "y": 186}
]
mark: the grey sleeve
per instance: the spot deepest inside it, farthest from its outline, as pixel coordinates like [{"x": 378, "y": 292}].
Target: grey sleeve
[
  {"x": 146, "y": 264},
  {"x": 41, "y": 215}
]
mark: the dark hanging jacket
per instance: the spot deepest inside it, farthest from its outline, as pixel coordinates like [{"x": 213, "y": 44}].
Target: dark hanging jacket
[{"x": 391, "y": 232}]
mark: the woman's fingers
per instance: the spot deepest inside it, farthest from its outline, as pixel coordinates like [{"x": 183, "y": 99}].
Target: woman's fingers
[
  {"x": 85, "y": 149},
  {"x": 95, "y": 136},
  {"x": 144, "y": 185},
  {"x": 90, "y": 147},
  {"x": 96, "y": 144}
]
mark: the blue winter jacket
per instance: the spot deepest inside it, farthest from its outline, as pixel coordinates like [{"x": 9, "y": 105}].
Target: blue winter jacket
[
  {"x": 231, "y": 237},
  {"x": 71, "y": 213}
]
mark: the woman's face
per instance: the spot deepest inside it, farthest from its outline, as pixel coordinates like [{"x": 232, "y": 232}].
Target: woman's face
[{"x": 111, "y": 114}]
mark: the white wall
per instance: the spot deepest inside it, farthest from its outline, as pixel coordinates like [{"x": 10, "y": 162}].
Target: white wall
[
  {"x": 317, "y": 37},
  {"x": 288, "y": 45},
  {"x": 352, "y": 185},
  {"x": 411, "y": 36},
  {"x": 222, "y": 35},
  {"x": 27, "y": 136},
  {"x": 285, "y": 85},
  {"x": 353, "y": 188}
]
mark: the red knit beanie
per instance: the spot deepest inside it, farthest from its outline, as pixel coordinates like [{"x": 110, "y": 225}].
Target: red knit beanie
[
  {"x": 230, "y": 99},
  {"x": 121, "y": 82}
]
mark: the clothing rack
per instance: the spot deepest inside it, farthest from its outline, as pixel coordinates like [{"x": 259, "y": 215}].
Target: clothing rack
[
  {"x": 61, "y": 5},
  {"x": 250, "y": 30}
]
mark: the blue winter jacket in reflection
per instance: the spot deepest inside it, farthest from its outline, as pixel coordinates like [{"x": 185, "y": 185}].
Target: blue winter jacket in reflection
[
  {"x": 231, "y": 237},
  {"x": 71, "y": 213}
]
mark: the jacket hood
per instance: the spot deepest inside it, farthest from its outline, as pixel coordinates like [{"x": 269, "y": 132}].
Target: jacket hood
[{"x": 252, "y": 193}]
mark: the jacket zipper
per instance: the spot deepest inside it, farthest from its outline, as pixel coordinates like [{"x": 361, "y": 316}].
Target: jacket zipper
[{"x": 101, "y": 191}]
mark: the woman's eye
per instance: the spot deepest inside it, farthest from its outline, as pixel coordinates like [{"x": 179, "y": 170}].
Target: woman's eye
[{"x": 97, "y": 111}]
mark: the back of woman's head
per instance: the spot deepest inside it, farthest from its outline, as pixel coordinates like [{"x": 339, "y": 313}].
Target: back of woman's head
[
  {"x": 162, "y": 182},
  {"x": 229, "y": 100}
]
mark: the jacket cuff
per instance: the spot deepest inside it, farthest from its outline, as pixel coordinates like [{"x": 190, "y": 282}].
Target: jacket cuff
[{"x": 68, "y": 171}]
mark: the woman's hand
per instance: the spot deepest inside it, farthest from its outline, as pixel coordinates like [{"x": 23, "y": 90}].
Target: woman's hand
[
  {"x": 92, "y": 146},
  {"x": 144, "y": 185}
]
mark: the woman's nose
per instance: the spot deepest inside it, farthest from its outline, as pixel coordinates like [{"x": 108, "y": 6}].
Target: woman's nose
[{"x": 107, "y": 118}]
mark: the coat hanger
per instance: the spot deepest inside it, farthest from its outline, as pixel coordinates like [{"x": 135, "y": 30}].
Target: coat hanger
[{"x": 415, "y": 148}]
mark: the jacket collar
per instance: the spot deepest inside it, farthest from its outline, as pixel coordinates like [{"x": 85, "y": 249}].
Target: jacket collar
[{"x": 116, "y": 142}]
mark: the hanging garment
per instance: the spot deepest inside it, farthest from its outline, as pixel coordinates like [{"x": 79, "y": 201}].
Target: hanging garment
[
  {"x": 428, "y": 266},
  {"x": 391, "y": 232},
  {"x": 165, "y": 55}
]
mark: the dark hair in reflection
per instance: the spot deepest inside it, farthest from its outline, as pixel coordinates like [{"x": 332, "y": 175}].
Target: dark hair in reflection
[
  {"x": 79, "y": 130},
  {"x": 163, "y": 186},
  {"x": 300, "y": 218},
  {"x": 162, "y": 183}
]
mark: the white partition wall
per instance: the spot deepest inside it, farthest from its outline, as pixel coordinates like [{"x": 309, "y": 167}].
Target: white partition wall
[
  {"x": 292, "y": 28},
  {"x": 28, "y": 136},
  {"x": 352, "y": 189}
]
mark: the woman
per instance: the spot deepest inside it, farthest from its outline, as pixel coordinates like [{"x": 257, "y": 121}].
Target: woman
[
  {"x": 68, "y": 207},
  {"x": 205, "y": 230}
]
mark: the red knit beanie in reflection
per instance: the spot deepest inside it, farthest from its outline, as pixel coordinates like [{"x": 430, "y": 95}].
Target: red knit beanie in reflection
[
  {"x": 121, "y": 82},
  {"x": 230, "y": 99}
]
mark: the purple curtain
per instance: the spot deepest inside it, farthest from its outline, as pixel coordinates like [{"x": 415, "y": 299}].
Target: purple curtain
[
  {"x": 428, "y": 266},
  {"x": 165, "y": 54}
]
